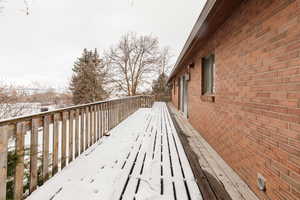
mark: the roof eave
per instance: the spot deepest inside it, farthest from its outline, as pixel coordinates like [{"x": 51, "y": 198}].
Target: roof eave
[{"x": 204, "y": 26}]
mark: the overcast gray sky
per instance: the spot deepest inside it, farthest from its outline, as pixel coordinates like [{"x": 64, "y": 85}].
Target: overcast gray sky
[{"x": 43, "y": 45}]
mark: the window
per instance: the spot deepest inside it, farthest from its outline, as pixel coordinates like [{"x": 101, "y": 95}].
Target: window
[{"x": 208, "y": 64}]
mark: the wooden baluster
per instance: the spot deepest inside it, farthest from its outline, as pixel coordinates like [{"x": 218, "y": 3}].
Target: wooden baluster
[
  {"x": 102, "y": 119},
  {"x": 71, "y": 134},
  {"x": 113, "y": 114},
  {"x": 112, "y": 109},
  {"x": 129, "y": 107},
  {"x": 106, "y": 117},
  {"x": 109, "y": 114},
  {"x": 19, "y": 172},
  {"x": 126, "y": 108},
  {"x": 3, "y": 161},
  {"x": 64, "y": 139},
  {"x": 91, "y": 125},
  {"x": 132, "y": 103},
  {"x": 46, "y": 148},
  {"x": 98, "y": 123},
  {"x": 82, "y": 146},
  {"x": 123, "y": 110},
  {"x": 95, "y": 124},
  {"x": 87, "y": 117},
  {"x": 91, "y": 121},
  {"x": 77, "y": 133},
  {"x": 119, "y": 111},
  {"x": 116, "y": 113},
  {"x": 35, "y": 123},
  {"x": 55, "y": 143},
  {"x": 140, "y": 102}
]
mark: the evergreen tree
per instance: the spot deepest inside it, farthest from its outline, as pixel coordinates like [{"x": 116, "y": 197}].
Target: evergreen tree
[{"x": 88, "y": 80}]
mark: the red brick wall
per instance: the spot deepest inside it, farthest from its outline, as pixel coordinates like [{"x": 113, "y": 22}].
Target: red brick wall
[{"x": 254, "y": 123}]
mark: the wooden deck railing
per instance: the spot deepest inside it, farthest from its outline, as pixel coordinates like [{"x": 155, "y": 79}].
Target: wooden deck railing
[{"x": 33, "y": 148}]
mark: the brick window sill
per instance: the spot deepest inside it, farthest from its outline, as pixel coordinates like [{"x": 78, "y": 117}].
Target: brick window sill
[{"x": 208, "y": 98}]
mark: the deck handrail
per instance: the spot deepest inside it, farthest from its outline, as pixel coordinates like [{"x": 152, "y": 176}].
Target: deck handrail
[
  {"x": 24, "y": 117},
  {"x": 72, "y": 130}
]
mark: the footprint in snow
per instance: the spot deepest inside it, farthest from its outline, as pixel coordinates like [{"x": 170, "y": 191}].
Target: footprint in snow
[{"x": 96, "y": 191}]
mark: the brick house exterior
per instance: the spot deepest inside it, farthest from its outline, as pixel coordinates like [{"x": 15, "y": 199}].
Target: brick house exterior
[{"x": 252, "y": 119}]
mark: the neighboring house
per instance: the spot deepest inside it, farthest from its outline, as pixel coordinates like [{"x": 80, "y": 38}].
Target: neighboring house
[{"x": 237, "y": 80}]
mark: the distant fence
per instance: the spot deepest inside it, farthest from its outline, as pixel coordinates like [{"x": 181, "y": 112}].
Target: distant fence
[{"x": 33, "y": 148}]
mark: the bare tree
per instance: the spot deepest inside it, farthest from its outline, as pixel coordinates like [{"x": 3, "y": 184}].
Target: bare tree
[
  {"x": 133, "y": 62},
  {"x": 11, "y": 102},
  {"x": 165, "y": 61},
  {"x": 160, "y": 87}
]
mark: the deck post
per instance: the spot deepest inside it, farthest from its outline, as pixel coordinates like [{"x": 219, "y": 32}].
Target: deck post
[
  {"x": 46, "y": 124},
  {"x": 3, "y": 160},
  {"x": 19, "y": 172},
  {"x": 33, "y": 155}
]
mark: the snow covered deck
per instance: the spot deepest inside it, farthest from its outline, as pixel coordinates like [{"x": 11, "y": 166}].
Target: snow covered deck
[{"x": 142, "y": 158}]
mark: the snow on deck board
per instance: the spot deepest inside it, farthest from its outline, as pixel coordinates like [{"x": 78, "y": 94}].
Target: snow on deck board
[{"x": 141, "y": 159}]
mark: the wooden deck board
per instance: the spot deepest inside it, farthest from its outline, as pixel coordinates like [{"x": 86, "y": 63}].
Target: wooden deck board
[
  {"x": 216, "y": 178},
  {"x": 152, "y": 166}
]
